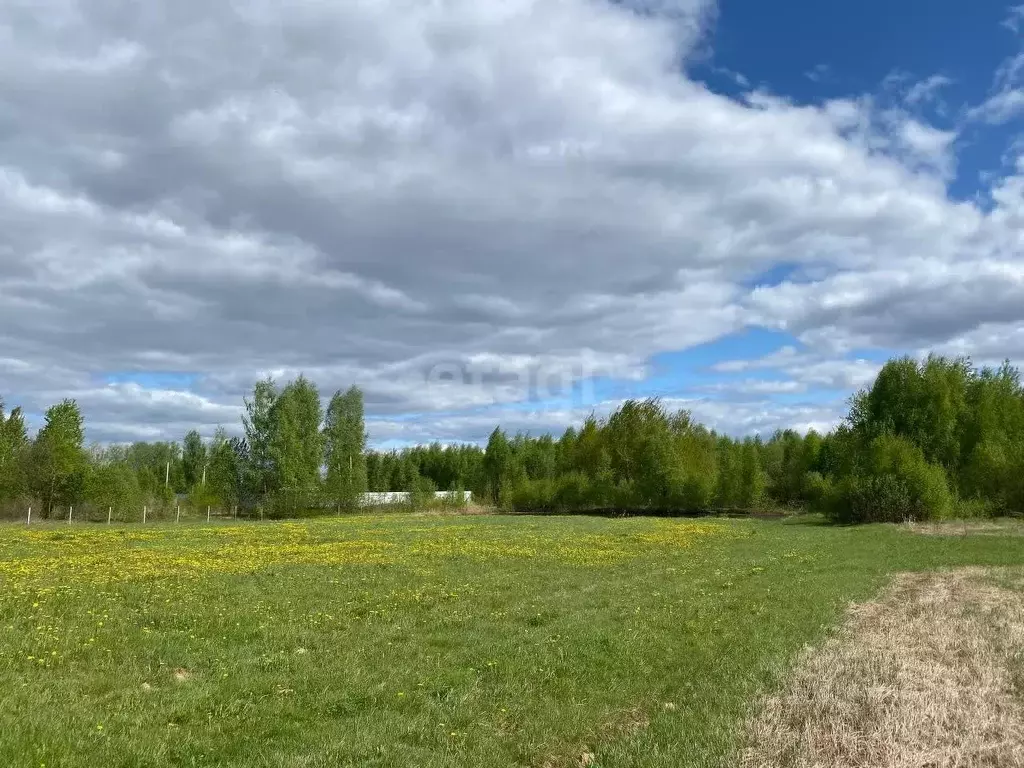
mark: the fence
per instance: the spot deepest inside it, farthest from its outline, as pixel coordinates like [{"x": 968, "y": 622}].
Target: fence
[{"x": 31, "y": 513}]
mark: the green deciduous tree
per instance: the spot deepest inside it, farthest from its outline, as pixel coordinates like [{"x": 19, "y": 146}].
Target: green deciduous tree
[
  {"x": 13, "y": 448},
  {"x": 296, "y": 445},
  {"x": 639, "y": 441},
  {"x": 111, "y": 483},
  {"x": 729, "y": 490},
  {"x": 344, "y": 441},
  {"x": 753, "y": 481},
  {"x": 259, "y": 425},
  {"x": 498, "y": 467},
  {"x": 193, "y": 460},
  {"x": 697, "y": 465},
  {"x": 224, "y": 474},
  {"x": 58, "y": 458}
]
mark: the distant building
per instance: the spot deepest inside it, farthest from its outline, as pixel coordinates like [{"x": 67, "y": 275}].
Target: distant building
[{"x": 387, "y": 498}]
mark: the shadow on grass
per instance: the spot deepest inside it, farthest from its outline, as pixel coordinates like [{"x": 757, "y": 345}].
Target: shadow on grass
[{"x": 788, "y": 516}]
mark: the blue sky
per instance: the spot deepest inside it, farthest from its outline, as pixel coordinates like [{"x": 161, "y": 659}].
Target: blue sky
[
  {"x": 811, "y": 52},
  {"x": 861, "y": 44},
  {"x": 517, "y": 213}
]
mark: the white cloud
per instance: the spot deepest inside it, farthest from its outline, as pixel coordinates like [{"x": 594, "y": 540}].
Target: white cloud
[
  {"x": 818, "y": 73},
  {"x": 1006, "y": 99},
  {"x": 927, "y": 90},
  {"x": 806, "y": 370},
  {"x": 729, "y": 417},
  {"x": 923, "y": 144},
  {"x": 1014, "y": 19},
  {"x": 917, "y": 94},
  {"x": 999, "y": 108},
  {"x": 756, "y": 387},
  {"x": 376, "y": 192}
]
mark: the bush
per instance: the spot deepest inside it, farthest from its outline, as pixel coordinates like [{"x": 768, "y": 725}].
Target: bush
[
  {"x": 573, "y": 490},
  {"x": 896, "y": 485},
  {"x": 533, "y": 496},
  {"x": 421, "y": 492},
  {"x": 968, "y": 509},
  {"x": 698, "y": 493},
  {"x": 817, "y": 489},
  {"x": 455, "y": 500},
  {"x": 113, "y": 485}
]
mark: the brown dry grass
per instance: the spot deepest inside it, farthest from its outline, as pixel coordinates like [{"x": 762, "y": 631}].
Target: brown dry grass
[
  {"x": 471, "y": 509},
  {"x": 969, "y": 528},
  {"x": 924, "y": 677}
]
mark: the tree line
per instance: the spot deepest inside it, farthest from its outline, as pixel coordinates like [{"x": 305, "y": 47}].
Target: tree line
[
  {"x": 928, "y": 440},
  {"x": 294, "y": 456}
]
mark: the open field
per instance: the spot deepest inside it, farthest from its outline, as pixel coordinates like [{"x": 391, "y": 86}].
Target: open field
[{"x": 431, "y": 641}]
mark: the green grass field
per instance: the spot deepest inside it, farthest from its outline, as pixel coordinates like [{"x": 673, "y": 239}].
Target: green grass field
[{"x": 421, "y": 641}]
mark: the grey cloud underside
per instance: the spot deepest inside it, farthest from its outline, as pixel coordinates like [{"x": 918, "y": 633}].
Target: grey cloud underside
[{"x": 380, "y": 192}]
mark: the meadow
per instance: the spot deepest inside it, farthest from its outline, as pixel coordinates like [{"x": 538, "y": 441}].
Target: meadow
[{"x": 417, "y": 640}]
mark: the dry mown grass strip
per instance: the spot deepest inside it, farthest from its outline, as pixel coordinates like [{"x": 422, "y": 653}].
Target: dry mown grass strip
[
  {"x": 921, "y": 677},
  {"x": 969, "y": 528}
]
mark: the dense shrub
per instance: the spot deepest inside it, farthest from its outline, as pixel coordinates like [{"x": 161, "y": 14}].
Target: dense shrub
[
  {"x": 968, "y": 509},
  {"x": 897, "y": 485},
  {"x": 422, "y": 492},
  {"x": 533, "y": 496},
  {"x": 574, "y": 490},
  {"x": 817, "y": 489}
]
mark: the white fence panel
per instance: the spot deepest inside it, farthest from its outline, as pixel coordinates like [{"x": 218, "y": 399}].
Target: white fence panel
[{"x": 386, "y": 498}]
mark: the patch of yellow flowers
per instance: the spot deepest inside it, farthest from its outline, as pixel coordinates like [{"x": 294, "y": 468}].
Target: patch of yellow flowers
[{"x": 95, "y": 555}]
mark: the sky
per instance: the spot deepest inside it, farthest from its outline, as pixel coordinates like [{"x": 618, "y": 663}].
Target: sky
[{"x": 502, "y": 211}]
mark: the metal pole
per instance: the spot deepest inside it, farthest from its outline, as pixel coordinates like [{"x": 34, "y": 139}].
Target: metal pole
[
  {"x": 177, "y": 514},
  {"x": 207, "y": 514},
  {"x": 29, "y": 522},
  {"x": 110, "y": 512},
  {"x": 143, "y": 515},
  {"x": 70, "y": 510}
]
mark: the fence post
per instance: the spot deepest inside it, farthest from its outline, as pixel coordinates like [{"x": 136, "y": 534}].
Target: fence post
[
  {"x": 207, "y": 514},
  {"x": 177, "y": 514},
  {"x": 70, "y": 510},
  {"x": 143, "y": 514},
  {"x": 29, "y": 522}
]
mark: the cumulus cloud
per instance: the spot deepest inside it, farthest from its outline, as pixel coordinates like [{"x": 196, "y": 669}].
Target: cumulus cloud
[
  {"x": 454, "y": 204},
  {"x": 808, "y": 369}
]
